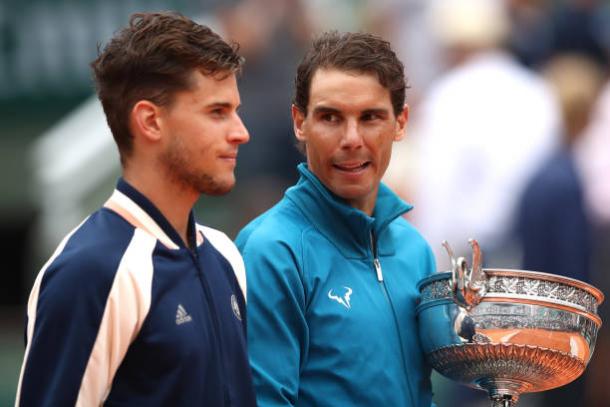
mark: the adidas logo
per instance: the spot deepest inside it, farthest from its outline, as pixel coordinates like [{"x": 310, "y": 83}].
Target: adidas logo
[{"x": 182, "y": 316}]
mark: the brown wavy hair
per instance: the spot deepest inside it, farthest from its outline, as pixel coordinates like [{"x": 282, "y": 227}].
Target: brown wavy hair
[
  {"x": 151, "y": 59},
  {"x": 359, "y": 52}
]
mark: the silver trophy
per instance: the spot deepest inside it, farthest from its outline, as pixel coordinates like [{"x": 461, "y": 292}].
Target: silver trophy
[{"x": 507, "y": 331}]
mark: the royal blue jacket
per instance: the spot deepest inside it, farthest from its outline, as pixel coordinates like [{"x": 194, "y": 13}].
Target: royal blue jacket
[
  {"x": 331, "y": 301},
  {"x": 124, "y": 314}
]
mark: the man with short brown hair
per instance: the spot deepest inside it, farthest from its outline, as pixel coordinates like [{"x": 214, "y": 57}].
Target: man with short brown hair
[
  {"x": 140, "y": 305},
  {"x": 332, "y": 268}
]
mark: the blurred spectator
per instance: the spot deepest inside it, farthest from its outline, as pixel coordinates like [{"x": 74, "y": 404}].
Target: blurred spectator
[
  {"x": 484, "y": 128},
  {"x": 582, "y": 26},
  {"x": 531, "y": 34},
  {"x": 272, "y": 35},
  {"x": 542, "y": 29},
  {"x": 552, "y": 225},
  {"x": 593, "y": 160},
  {"x": 406, "y": 23}
]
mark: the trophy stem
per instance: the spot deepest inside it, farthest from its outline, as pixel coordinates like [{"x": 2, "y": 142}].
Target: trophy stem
[{"x": 503, "y": 400}]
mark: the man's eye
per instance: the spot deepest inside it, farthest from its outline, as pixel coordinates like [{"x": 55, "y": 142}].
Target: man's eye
[
  {"x": 330, "y": 117},
  {"x": 370, "y": 116},
  {"x": 218, "y": 112}
]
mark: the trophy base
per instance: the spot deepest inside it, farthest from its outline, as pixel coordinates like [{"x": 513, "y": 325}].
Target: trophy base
[
  {"x": 506, "y": 370},
  {"x": 504, "y": 401}
]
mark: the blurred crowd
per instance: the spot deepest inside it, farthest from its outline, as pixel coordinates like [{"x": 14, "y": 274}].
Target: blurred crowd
[{"x": 508, "y": 140}]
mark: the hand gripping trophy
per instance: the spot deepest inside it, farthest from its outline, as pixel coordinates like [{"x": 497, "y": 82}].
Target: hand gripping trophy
[{"x": 507, "y": 331}]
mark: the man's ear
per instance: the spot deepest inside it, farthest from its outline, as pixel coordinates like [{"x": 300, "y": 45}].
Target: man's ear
[
  {"x": 298, "y": 118},
  {"x": 146, "y": 120},
  {"x": 401, "y": 123}
]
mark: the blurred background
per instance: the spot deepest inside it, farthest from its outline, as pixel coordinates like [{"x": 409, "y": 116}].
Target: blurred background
[{"x": 509, "y": 138}]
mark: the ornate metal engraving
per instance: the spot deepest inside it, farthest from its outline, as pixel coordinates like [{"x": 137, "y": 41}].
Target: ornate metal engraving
[
  {"x": 437, "y": 290},
  {"x": 507, "y": 331},
  {"x": 531, "y": 368},
  {"x": 535, "y": 289},
  {"x": 489, "y": 315},
  {"x": 541, "y": 289}
]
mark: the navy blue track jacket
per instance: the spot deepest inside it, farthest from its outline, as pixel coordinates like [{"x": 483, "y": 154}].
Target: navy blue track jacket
[{"x": 124, "y": 313}]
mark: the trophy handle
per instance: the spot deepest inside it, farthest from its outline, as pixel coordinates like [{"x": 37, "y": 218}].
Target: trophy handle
[{"x": 469, "y": 285}]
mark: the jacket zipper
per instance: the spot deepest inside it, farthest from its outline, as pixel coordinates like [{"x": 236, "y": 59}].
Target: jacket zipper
[
  {"x": 215, "y": 321},
  {"x": 378, "y": 271}
]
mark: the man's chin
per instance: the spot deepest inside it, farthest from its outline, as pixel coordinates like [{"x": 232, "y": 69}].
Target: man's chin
[
  {"x": 217, "y": 191},
  {"x": 217, "y": 188},
  {"x": 351, "y": 192}
]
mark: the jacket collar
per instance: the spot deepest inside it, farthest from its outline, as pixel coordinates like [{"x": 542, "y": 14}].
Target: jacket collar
[
  {"x": 138, "y": 210},
  {"x": 349, "y": 229}
]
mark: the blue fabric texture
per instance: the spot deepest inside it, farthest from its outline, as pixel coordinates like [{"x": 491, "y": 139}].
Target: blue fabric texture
[{"x": 322, "y": 329}]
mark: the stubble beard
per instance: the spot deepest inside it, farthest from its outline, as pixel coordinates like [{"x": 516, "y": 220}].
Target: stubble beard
[{"x": 175, "y": 161}]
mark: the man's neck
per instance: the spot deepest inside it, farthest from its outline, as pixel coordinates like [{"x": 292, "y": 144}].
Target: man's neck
[
  {"x": 173, "y": 200},
  {"x": 365, "y": 204}
]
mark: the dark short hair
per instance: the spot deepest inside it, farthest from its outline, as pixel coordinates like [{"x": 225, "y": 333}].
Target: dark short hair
[
  {"x": 151, "y": 59},
  {"x": 359, "y": 52}
]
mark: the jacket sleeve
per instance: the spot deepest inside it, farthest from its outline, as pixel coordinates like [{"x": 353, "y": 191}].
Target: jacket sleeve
[
  {"x": 83, "y": 313},
  {"x": 277, "y": 329}
]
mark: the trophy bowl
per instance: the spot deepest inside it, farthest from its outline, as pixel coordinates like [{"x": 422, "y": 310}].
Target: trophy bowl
[{"x": 507, "y": 331}]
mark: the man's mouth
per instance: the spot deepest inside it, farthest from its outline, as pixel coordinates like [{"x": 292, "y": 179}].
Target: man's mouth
[
  {"x": 230, "y": 156},
  {"x": 352, "y": 166}
]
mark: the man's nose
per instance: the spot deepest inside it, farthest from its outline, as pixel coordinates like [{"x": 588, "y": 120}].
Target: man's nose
[
  {"x": 351, "y": 136},
  {"x": 239, "y": 133}
]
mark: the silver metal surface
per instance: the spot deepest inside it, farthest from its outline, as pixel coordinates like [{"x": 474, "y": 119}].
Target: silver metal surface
[{"x": 507, "y": 331}]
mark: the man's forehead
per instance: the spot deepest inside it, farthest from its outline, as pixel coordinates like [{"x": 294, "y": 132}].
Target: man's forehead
[
  {"x": 334, "y": 74},
  {"x": 340, "y": 89},
  {"x": 197, "y": 76},
  {"x": 211, "y": 89}
]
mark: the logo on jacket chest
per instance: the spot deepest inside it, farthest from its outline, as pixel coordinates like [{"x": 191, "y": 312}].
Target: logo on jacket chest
[
  {"x": 235, "y": 307},
  {"x": 342, "y": 296},
  {"x": 182, "y": 316}
]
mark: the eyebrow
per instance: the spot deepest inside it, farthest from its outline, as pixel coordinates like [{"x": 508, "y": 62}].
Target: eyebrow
[
  {"x": 215, "y": 105},
  {"x": 325, "y": 110},
  {"x": 379, "y": 111}
]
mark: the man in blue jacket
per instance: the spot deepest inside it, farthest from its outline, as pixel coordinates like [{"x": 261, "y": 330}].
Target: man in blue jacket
[
  {"x": 140, "y": 305},
  {"x": 332, "y": 268}
]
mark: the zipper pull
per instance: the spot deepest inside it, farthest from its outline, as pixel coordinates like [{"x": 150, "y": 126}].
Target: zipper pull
[
  {"x": 375, "y": 259},
  {"x": 378, "y": 269}
]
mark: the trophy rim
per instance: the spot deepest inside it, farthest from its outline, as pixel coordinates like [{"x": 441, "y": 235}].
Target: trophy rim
[
  {"x": 595, "y": 292},
  {"x": 550, "y": 303}
]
